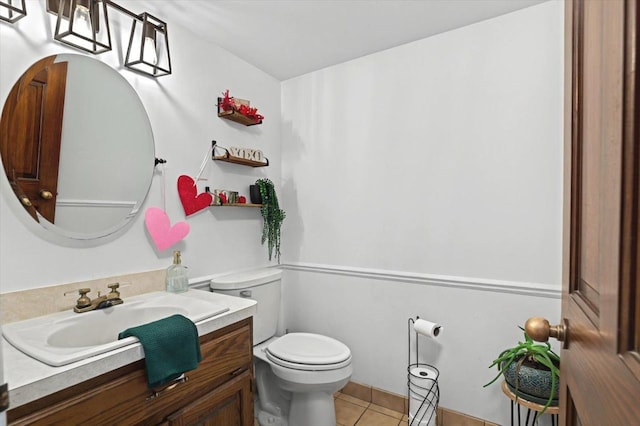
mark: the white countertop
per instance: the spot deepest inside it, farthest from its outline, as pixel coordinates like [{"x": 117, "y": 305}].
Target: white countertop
[{"x": 30, "y": 379}]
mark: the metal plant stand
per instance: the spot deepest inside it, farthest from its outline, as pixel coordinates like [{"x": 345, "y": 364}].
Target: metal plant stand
[{"x": 518, "y": 401}]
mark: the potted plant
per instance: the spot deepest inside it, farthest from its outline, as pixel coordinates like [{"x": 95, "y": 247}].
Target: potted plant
[
  {"x": 530, "y": 369},
  {"x": 272, "y": 216}
]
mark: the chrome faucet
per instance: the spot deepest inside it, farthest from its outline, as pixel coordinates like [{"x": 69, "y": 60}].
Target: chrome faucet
[{"x": 86, "y": 304}]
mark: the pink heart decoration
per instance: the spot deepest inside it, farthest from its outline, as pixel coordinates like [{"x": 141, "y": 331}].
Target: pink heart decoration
[
  {"x": 162, "y": 233},
  {"x": 188, "y": 192}
]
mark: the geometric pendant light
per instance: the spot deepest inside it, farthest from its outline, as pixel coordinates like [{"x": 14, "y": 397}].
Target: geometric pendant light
[
  {"x": 148, "y": 50},
  {"x": 12, "y": 10},
  {"x": 83, "y": 24}
]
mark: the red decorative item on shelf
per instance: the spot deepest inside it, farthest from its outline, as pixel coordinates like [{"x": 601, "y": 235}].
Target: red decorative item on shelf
[
  {"x": 229, "y": 103},
  {"x": 242, "y": 199},
  {"x": 223, "y": 198},
  {"x": 250, "y": 112}
]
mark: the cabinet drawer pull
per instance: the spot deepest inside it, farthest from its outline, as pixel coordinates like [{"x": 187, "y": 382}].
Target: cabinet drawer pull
[
  {"x": 175, "y": 382},
  {"x": 238, "y": 371}
]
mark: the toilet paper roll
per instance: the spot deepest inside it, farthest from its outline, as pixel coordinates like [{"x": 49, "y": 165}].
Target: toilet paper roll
[
  {"x": 421, "y": 412},
  {"x": 423, "y": 375},
  {"x": 423, "y": 396},
  {"x": 427, "y": 328},
  {"x": 429, "y": 418}
]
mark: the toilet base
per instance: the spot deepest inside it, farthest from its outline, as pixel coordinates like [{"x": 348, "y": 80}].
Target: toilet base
[
  {"x": 318, "y": 406},
  {"x": 267, "y": 419}
]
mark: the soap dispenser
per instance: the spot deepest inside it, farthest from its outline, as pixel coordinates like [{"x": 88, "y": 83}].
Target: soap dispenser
[{"x": 177, "y": 280}]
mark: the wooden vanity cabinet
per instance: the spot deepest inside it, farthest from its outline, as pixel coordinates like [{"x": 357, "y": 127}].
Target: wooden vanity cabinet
[{"x": 219, "y": 392}]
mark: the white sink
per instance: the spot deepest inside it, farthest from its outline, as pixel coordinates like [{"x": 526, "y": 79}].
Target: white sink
[{"x": 66, "y": 337}]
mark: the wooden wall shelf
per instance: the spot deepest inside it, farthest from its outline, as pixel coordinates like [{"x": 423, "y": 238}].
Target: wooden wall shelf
[
  {"x": 228, "y": 158},
  {"x": 234, "y": 115},
  {"x": 236, "y": 205}
]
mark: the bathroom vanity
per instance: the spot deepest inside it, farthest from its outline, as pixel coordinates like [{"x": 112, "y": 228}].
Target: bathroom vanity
[{"x": 112, "y": 388}]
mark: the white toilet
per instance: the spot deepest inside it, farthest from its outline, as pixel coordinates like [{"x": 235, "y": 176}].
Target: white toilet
[{"x": 297, "y": 373}]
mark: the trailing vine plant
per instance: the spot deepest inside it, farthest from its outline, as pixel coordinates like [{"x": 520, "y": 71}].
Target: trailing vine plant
[{"x": 272, "y": 216}]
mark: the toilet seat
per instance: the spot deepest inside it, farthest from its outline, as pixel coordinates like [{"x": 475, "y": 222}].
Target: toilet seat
[{"x": 308, "y": 351}]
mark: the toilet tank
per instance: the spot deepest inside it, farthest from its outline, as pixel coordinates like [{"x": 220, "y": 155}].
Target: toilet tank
[{"x": 261, "y": 285}]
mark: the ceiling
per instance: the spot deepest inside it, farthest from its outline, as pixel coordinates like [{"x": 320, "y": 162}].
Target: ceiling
[{"x": 288, "y": 38}]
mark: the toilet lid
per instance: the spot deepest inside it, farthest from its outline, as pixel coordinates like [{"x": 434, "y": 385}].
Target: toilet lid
[{"x": 308, "y": 351}]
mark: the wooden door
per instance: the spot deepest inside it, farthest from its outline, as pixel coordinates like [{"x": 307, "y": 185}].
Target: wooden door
[
  {"x": 31, "y": 136},
  {"x": 600, "y": 366}
]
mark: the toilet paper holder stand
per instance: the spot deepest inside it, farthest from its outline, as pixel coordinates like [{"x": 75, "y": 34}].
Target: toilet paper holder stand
[{"x": 422, "y": 385}]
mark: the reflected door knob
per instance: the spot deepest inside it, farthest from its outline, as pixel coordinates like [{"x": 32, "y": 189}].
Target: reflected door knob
[
  {"x": 539, "y": 330},
  {"x": 25, "y": 201},
  {"x": 44, "y": 194}
]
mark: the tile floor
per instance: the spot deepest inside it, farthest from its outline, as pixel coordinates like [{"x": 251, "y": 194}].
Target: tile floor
[{"x": 352, "y": 411}]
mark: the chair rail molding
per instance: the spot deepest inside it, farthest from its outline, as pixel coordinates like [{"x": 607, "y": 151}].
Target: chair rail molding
[{"x": 481, "y": 284}]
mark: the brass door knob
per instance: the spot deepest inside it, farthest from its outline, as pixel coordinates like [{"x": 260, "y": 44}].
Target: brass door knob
[
  {"x": 539, "y": 329},
  {"x": 25, "y": 201},
  {"x": 44, "y": 194}
]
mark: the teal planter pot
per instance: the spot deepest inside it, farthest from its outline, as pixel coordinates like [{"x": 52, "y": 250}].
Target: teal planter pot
[{"x": 532, "y": 384}]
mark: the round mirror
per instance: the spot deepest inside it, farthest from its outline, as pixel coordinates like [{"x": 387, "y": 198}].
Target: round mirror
[{"x": 77, "y": 147}]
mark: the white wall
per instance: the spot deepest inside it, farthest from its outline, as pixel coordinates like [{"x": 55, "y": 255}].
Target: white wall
[
  {"x": 426, "y": 180},
  {"x": 183, "y": 116},
  {"x": 441, "y": 156}
]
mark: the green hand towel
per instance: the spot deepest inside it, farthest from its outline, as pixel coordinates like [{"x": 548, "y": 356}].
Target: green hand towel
[{"x": 171, "y": 347}]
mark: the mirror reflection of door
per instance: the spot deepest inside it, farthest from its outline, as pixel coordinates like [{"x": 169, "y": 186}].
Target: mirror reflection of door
[{"x": 31, "y": 160}]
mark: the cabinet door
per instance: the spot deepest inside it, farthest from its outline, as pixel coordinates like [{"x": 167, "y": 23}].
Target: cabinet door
[{"x": 228, "y": 405}]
